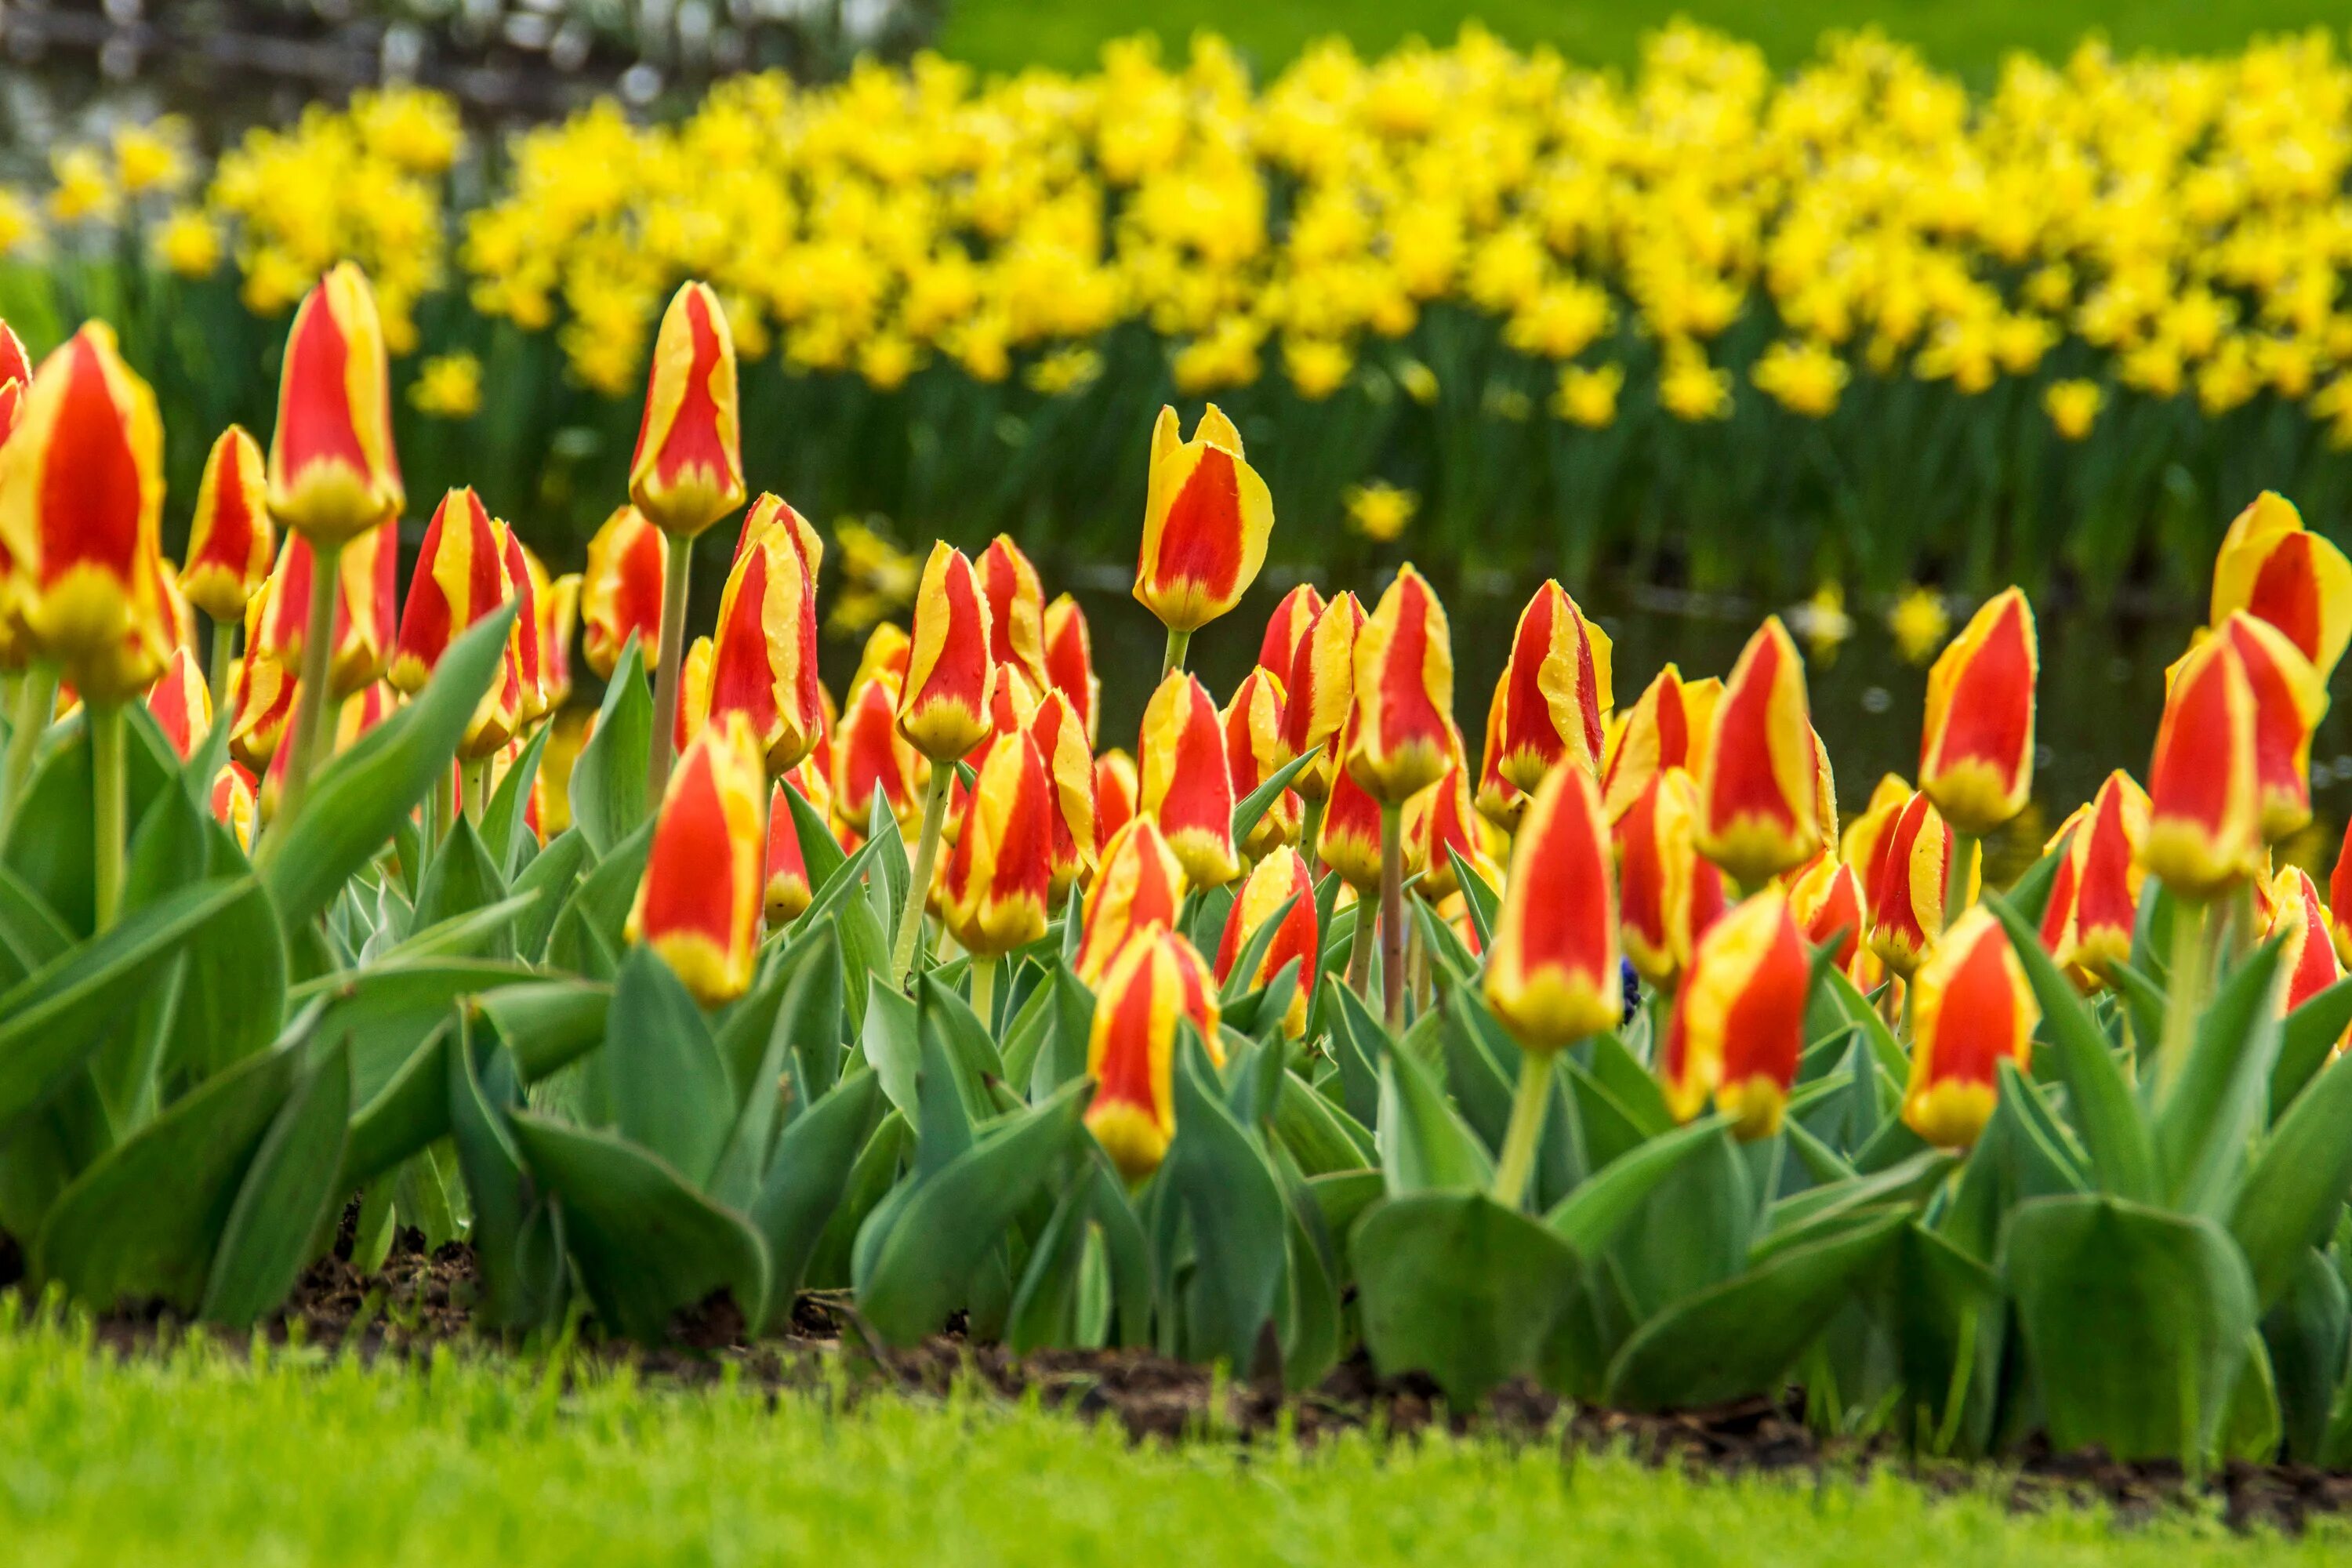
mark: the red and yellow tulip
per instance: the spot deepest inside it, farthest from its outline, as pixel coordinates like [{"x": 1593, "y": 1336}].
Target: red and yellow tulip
[
  {"x": 366, "y": 605},
  {"x": 353, "y": 716},
  {"x": 1156, "y": 983},
  {"x": 1403, "y": 694},
  {"x": 232, "y": 802},
  {"x": 460, "y": 577},
  {"x": 333, "y": 475},
  {"x": 1666, "y": 728},
  {"x": 785, "y": 892},
  {"x": 1551, "y": 974},
  {"x": 1070, "y": 664},
  {"x": 763, "y": 661},
  {"x": 1556, "y": 690},
  {"x": 1348, "y": 840},
  {"x": 870, "y": 756},
  {"x": 621, "y": 590},
  {"x": 559, "y": 617},
  {"x": 1279, "y": 878},
  {"x": 1906, "y": 906},
  {"x": 1442, "y": 822},
  {"x": 2094, "y": 904},
  {"x": 1738, "y": 1025},
  {"x": 1759, "y": 785},
  {"x": 1971, "y": 1009},
  {"x": 1116, "y": 787},
  {"x": 1975, "y": 747},
  {"x": 2204, "y": 825},
  {"x": 1289, "y": 622},
  {"x": 2290, "y": 698},
  {"x": 1669, "y": 894},
  {"x": 2307, "y": 948},
  {"x": 944, "y": 710},
  {"x": 1206, "y": 519},
  {"x": 1017, "y": 609},
  {"x": 697, "y": 905},
  {"x": 1499, "y": 800},
  {"x": 1140, "y": 886},
  {"x": 1863, "y": 845},
  {"x": 526, "y": 639},
  {"x": 1318, "y": 690},
  {"x": 182, "y": 703},
  {"x": 2277, "y": 570},
  {"x": 687, "y": 469},
  {"x": 1000, "y": 878},
  {"x": 1187, "y": 782},
  {"x": 1256, "y": 751},
  {"x": 231, "y": 539},
  {"x": 1061, "y": 743},
  {"x": 1827, "y": 901}
]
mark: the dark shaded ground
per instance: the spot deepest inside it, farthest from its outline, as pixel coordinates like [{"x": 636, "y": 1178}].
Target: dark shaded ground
[{"x": 422, "y": 1299}]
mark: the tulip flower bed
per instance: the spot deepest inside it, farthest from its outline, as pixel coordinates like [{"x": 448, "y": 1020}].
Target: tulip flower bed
[
  {"x": 1607, "y": 1053},
  {"x": 1470, "y": 304}
]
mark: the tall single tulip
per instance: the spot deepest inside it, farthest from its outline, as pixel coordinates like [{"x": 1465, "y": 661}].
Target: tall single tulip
[
  {"x": 231, "y": 541},
  {"x": 1187, "y": 782},
  {"x": 1116, "y": 791},
  {"x": 1289, "y": 622},
  {"x": 2204, "y": 794},
  {"x": 1666, "y": 728},
  {"x": 698, "y": 904},
  {"x": 621, "y": 590},
  {"x": 1552, "y": 973},
  {"x": 1556, "y": 688},
  {"x": 2290, "y": 698},
  {"x": 1669, "y": 894},
  {"x": 182, "y": 703},
  {"x": 1156, "y": 983},
  {"x": 687, "y": 469},
  {"x": 1062, "y": 744},
  {"x": 2094, "y": 900},
  {"x": 1738, "y": 1025},
  {"x": 1278, "y": 879},
  {"x": 1206, "y": 519},
  {"x": 1908, "y": 906},
  {"x": 1140, "y": 885},
  {"x": 1016, "y": 608},
  {"x": 2274, "y": 569},
  {"x": 333, "y": 475},
  {"x": 764, "y": 663},
  {"x": 461, "y": 576},
  {"x": 1255, "y": 752},
  {"x": 1403, "y": 738},
  {"x": 1971, "y": 1008},
  {"x": 1975, "y": 747},
  {"x": 1070, "y": 664},
  {"x": 1758, "y": 783}
]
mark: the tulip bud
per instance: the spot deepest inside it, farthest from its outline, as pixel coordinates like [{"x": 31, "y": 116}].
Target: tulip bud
[
  {"x": 1975, "y": 747},
  {"x": 1159, "y": 982},
  {"x": 1279, "y": 878},
  {"x": 1971, "y": 1006},
  {"x": 693, "y": 692},
  {"x": 1404, "y": 694},
  {"x": 1206, "y": 518},
  {"x": 1499, "y": 800},
  {"x": 1286, "y": 625},
  {"x": 2274, "y": 569},
  {"x": 1188, "y": 785},
  {"x": 1349, "y": 841},
  {"x": 887, "y": 651},
  {"x": 366, "y": 602},
  {"x": 1063, "y": 746},
  {"x": 1758, "y": 788},
  {"x": 1669, "y": 894},
  {"x": 1441, "y": 822},
  {"x": 769, "y": 511},
  {"x": 1256, "y": 751},
  {"x": 1864, "y": 843},
  {"x": 786, "y": 891},
  {"x": 261, "y": 697},
  {"x": 2095, "y": 899},
  {"x": 1000, "y": 878},
  {"x": 2204, "y": 804},
  {"x": 871, "y": 755},
  {"x": 1556, "y": 688},
  {"x": 764, "y": 661},
  {"x": 944, "y": 707},
  {"x": 1666, "y": 728},
  {"x": 1016, "y": 608},
  {"x": 2290, "y": 698},
  {"x": 1116, "y": 789},
  {"x": 460, "y": 577},
  {"x": 232, "y": 802},
  {"x": 621, "y": 591},
  {"x": 1140, "y": 885},
  {"x": 1012, "y": 709},
  {"x": 2307, "y": 951},
  {"x": 688, "y": 470},
  {"x": 1738, "y": 1024},
  {"x": 1552, "y": 975},
  {"x": 1070, "y": 664},
  {"x": 1828, "y": 905},
  {"x": 81, "y": 488},
  {"x": 332, "y": 472},
  {"x": 1320, "y": 690},
  {"x": 1825, "y": 808},
  {"x": 182, "y": 703},
  {"x": 526, "y": 639},
  {"x": 697, "y": 905},
  {"x": 1907, "y": 905},
  {"x": 231, "y": 541}
]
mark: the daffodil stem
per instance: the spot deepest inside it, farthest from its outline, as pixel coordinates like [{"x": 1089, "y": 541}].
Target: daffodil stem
[
  {"x": 1173, "y": 660},
  {"x": 2185, "y": 994},
  {"x": 668, "y": 661},
  {"x": 1392, "y": 915},
  {"x": 307, "y": 732},
  {"x": 107, "y": 808},
  {"x": 919, "y": 885},
  {"x": 984, "y": 990},
  {"x": 224, "y": 657},
  {"x": 1525, "y": 1134},
  {"x": 29, "y": 720},
  {"x": 1963, "y": 872}
]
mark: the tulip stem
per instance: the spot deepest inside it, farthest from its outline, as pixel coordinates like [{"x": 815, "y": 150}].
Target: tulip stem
[
  {"x": 224, "y": 656},
  {"x": 1311, "y": 837},
  {"x": 1173, "y": 659},
  {"x": 308, "y": 730},
  {"x": 919, "y": 885},
  {"x": 445, "y": 806},
  {"x": 2185, "y": 987},
  {"x": 1359, "y": 947},
  {"x": 1963, "y": 872},
  {"x": 1392, "y": 915},
  {"x": 984, "y": 990},
  {"x": 1525, "y": 1134},
  {"x": 477, "y": 779},
  {"x": 107, "y": 807},
  {"x": 667, "y": 663},
  {"x": 28, "y": 717}
]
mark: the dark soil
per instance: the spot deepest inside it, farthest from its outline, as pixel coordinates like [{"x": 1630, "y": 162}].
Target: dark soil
[{"x": 421, "y": 1300}]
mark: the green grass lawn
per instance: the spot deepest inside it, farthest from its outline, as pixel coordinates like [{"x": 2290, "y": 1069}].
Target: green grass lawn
[
  {"x": 198, "y": 1459},
  {"x": 1968, "y": 36}
]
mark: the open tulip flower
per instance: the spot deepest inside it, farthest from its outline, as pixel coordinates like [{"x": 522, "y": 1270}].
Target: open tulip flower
[
  {"x": 1975, "y": 747},
  {"x": 1278, "y": 879},
  {"x": 621, "y": 589},
  {"x": 1971, "y": 1009},
  {"x": 1556, "y": 690},
  {"x": 1140, "y": 886},
  {"x": 698, "y": 903},
  {"x": 1758, "y": 783},
  {"x": 2279, "y": 571},
  {"x": 1739, "y": 1023},
  {"x": 1666, "y": 727},
  {"x": 1256, "y": 751},
  {"x": 1158, "y": 983},
  {"x": 1070, "y": 665},
  {"x": 1187, "y": 781},
  {"x": 1206, "y": 520}
]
